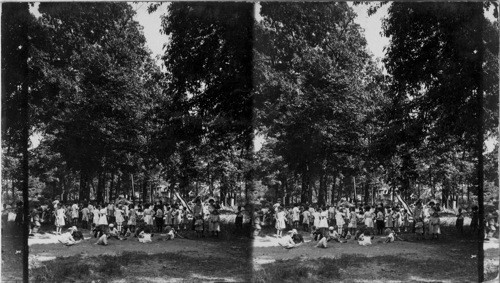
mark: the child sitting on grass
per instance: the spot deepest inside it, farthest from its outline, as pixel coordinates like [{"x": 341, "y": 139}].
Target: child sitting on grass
[
  {"x": 67, "y": 238},
  {"x": 287, "y": 241},
  {"x": 391, "y": 236},
  {"x": 114, "y": 233},
  {"x": 145, "y": 236},
  {"x": 170, "y": 233},
  {"x": 103, "y": 240},
  {"x": 365, "y": 239}
]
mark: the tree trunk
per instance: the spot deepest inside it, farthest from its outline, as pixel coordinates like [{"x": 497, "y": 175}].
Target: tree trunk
[
  {"x": 112, "y": 187},
  {"x": 100, "y": 188},
  {"x": 285, "y": 197},
  {"x": 444, "y": 194},
  {"x": 84, "y": 186},
  {"x": 151, "y": 188},
  {"x": 144, "y": 190},
  {"x": 355, "y": 194},
  {"x": 366, "y": 199},
  {"x": 334, "y": 188},
  {"x": 478, "y": 77},
  {"x": 305, "y": 192},
  {"x": 322, "y": 189},
  {"x": 373, "y": 195},
  {"x": 132, "y": 185},
  {"x": 468, "y": 192}
]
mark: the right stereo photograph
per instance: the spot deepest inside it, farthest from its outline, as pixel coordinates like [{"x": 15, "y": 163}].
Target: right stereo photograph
[{"x": 375, "y": 142}]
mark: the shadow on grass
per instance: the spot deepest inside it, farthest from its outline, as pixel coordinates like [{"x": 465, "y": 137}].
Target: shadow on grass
[
  {"x": 360, "y": 267},
  {"x": 135, "y": 265}
]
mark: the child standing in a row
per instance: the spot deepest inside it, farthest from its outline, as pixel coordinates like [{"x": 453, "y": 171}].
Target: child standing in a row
[{"x": 280, "y": 221}]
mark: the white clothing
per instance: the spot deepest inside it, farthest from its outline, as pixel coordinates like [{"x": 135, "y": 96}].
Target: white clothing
[
  {"x": 296, "y": 214},
  {"x": 339, "y": 217},
  {"x": 365, "y": 240},
  {"x": 145, "y": 238},
  {"x": 323, "y": 220},
  {"x": 287, "y": 242},
  {"x": 67, "y": 239},
  {"x": 103, "y": 220},
  {"x": 316, "y": 218}
]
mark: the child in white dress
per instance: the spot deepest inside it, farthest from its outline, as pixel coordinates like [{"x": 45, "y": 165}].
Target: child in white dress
[
  {"x": 59, "y": 219},
  {"x": 280, "y": 222},
  {"x": 119, "y": 218},
  {"x": 339, "y": 219},
  {"x": 434, "y": 225},
  {"x": 214, "y": 223},
  {"x": 368, "y": 217}
]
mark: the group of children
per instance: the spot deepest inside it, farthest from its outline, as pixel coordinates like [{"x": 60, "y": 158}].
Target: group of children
[
  {"x": 342, "y": 222},
  {"x": 342, "y": 218},
  {"x": 123, "y": 220},
  {"x": 321, "y": 237}
]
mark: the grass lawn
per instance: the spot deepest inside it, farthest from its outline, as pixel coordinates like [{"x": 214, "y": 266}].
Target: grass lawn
[
  {"x": 227, "y": 258},
  {"x": 12, "y": 260},
  {"x": 452, "y": 258}
]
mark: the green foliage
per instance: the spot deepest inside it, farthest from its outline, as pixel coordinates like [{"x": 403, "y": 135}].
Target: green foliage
[
  {"x": 436, "y": 73},
  {"x": 17, "y": 23},
  {"x": 317, "y": 90},
  {"x": 209, "y": 69},
  {"x": 433, "y": 59}
]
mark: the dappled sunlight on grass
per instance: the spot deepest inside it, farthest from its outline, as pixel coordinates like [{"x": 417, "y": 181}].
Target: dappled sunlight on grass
[{"x": 359, "y": 267}]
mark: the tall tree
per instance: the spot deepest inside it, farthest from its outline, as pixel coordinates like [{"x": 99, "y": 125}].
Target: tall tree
[
  {"x": 209, "y": 70},
  {"x": 96, "y": 85},
  {"x": 17, "y": 25},
  {"x": 312, "y": 79},
  {"x": 442, "y": 57}
]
